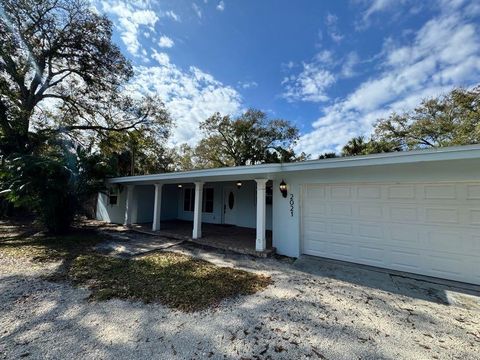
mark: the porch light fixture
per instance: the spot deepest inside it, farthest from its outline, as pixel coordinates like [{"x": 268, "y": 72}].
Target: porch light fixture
[
  {"x": 283, "y": 188},
  {"x": 239, "y": 184},
  {"x": 180, "y": 186}
]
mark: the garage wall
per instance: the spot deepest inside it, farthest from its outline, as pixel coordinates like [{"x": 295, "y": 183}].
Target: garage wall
[{"x": 287, "y": 227}]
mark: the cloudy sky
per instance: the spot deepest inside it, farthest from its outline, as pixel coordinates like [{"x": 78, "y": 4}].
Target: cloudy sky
[{"x": 330, "y": 67}]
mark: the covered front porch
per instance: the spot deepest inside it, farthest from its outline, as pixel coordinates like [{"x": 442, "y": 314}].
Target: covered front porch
[
  {"x": 220, "y": 236},
  {"x": 221, "y": 211}
]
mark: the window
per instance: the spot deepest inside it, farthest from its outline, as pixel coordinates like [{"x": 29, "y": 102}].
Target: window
[
  {"x": 208, "y": 200},
  {"x": 188, "y": 199},
  {"x": 113, "y": 196},
  {"x": 269, "y": 195}
]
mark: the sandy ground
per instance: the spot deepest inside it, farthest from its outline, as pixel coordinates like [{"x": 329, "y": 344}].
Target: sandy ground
[{"x": 314, "y": 310}]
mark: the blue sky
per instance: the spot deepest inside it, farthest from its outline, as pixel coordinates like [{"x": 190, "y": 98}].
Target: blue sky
[{"x": 330, "y": 67}]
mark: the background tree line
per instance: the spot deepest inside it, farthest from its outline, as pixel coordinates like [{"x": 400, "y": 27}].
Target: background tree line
[{"x": 67, "y": 120}]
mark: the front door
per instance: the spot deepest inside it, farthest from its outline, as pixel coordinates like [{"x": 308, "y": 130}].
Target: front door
[{"x": 229, "y": 205}]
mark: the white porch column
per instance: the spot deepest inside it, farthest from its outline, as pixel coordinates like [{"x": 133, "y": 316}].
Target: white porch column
[
  {"x": 261, "y": 242},
  {"x": 197, "y": 211},
  {"x": 157, "y": 207},
  {"x": 129, "y": 205}
]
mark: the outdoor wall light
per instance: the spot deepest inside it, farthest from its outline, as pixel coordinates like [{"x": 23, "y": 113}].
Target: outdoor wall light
[
  {"x": 180, "y": 186},
  {"x": 283, "y": 188},
  {"x": 239, "y": 184}
]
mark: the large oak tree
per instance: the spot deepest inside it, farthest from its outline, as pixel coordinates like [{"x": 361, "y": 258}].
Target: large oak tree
[
  {"x": 251, "y": 138},
  {"x": 60, "y": 72}
]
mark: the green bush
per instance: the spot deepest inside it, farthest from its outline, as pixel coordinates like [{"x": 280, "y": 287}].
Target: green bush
[{"x": 53, "y": 185}]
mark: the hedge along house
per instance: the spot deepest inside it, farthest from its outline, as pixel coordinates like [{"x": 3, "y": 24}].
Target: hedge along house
[{"x": 417, "y": 211}]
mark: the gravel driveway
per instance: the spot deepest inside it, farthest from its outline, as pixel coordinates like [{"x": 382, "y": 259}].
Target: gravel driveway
[{"x": 314, "y": 310}]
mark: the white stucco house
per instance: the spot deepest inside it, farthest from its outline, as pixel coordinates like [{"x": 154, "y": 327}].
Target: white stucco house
[{"x": 415, "y": 211}]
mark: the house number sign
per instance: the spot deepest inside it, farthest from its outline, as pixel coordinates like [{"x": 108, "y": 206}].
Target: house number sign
[{"x": 292, "y": 204}]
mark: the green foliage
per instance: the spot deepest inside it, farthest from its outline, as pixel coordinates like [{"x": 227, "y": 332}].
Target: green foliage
[
  {"x": 328, "y": 155},
  {"x": 55, "y": 184},
  {"x": 359, "y": 146},
  {"x": 136, "y": 152},
  {"x": 449, "y": 120},
  {"x": 62, "y": 78},
  {"x": 249, "y": 139}
]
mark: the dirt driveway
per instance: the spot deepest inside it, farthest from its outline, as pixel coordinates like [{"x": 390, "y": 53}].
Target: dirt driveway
[{"x": 314, "y": 310}]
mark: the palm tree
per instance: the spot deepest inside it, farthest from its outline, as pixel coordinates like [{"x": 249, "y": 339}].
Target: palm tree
[{"x": 355, "y": 146}]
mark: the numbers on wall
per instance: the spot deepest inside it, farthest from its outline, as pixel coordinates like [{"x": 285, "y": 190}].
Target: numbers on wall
[{"x": 292, "y": 204}]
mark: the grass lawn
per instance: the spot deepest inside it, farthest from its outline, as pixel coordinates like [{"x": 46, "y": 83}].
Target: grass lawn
[{"x": 173, "y": 279}]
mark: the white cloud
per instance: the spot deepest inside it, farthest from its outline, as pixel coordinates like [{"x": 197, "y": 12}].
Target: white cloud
[
  {"x": 443, "y": 54},
  {"x": 221, "y": 6},
  {"x": 396, "y": 7},
  {"x": 162, "y": 58},
  {"x": 313, "y": 81},
  {"x": 310, "y": 85},
  {"x": 130, "y": 19},
  {"x": 378, "y": 6},
  {"x": 331, "y": 22},
  {"x": 165, "y": 42},
  {"x": 248, "y": 84},
  {"x": 190, "y": 96},
  {"x": 172, "y": 15},
  {"x": 197, "y": 10},
  {"x": 349, "y": 64}
]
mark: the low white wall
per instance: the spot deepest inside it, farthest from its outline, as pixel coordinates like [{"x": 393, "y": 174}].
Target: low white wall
[
  {"x": 287, "y": 227},
  {"x": 111, "y": 213}
]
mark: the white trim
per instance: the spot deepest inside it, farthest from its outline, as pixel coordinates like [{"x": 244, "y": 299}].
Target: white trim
[
  {"x": 269, "y": 170},
  {"x": 157, "y": 207},
  {"x": 197, "y": 211}
]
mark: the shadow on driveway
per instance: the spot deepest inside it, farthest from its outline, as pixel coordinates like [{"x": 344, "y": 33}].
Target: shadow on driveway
[{"x": 410, "y": 285}]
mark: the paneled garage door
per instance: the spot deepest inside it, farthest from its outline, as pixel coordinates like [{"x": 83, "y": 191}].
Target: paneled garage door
[{"x": 426, "y": 228}]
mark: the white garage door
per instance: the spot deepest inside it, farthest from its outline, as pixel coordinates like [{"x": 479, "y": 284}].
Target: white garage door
[{"x": 431, "y": 229}]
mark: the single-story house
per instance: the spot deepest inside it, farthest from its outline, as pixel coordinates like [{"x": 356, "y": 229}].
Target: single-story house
[{"x": 416, "y": 211}]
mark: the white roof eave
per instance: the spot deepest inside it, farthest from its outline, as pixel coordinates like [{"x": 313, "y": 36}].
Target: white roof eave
[{"x": 270, "y": 170}]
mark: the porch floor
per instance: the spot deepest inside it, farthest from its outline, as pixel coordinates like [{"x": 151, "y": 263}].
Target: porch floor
[{"x": 227, "y": 237}]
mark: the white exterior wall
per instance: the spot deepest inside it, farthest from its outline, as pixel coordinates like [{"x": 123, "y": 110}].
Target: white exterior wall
[
  {"x": 245, "y": 203},
  {"x": 111, "y": 213},
  {"x": 287, "y": 228}
]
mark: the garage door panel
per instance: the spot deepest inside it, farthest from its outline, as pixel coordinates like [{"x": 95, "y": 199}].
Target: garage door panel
[
  {"x": 446, "y": 242},
  {"x": 370, "y": 231},
  {"x": 340, "y": 192},
  {"x": 341, "y": 228},
  {"x": 405, "y": 259},
  {"x": 341, "y": 210},
  {"x": 341, "y": 250},
  {"x": 473, "y": 192},
  {"x": 406, "y": 192},
  {"x": 442, "y": 215},
  {"x": 369, "y": 192},
  {"x": 371, "y": 255},
  {"x": 474, "y": 216},
  {"x": 370, "y": 211},
  {"x": 431, "y": 229},
  {"x": 403, "y": 214},
  {"x": 450, "y": 266},
  {"x": 440, "y": 192}
]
